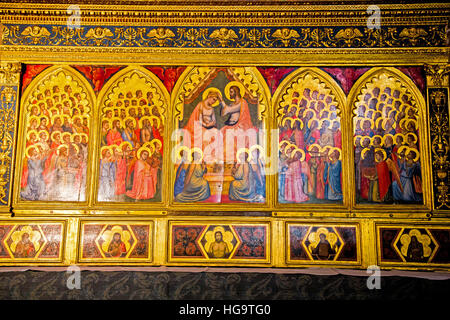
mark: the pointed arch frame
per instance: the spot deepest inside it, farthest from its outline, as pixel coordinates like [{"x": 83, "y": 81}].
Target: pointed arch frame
[
  {"x": 424, "y": 149},
  {"x": 76, "y": 205},
  {"x": 106, "y": 89},
  {"x": 342, "y": 103},
  {"x": 177, "y": 112}
]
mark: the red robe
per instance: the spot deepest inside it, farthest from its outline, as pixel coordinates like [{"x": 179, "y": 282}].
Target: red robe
[
  {"x": 384, "y": 178},
  {"x": 144, "y": 181},
  {"x": 121, "y": 174},
  {"x": 114, "y": 137}
]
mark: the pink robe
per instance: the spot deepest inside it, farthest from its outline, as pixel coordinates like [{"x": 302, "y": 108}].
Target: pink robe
[
  {"x": 294, "y": 184},
  {"x": 121, "y": 174},
  {"x": 144, "y": 181},
  {"x": 114, "y": 137}
]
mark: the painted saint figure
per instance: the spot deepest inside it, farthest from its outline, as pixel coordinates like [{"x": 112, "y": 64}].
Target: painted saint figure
[
  {"x": 219, "y": 248},
  {"x": 144, "y": 177},
  {"x": 196, "y": 187}
]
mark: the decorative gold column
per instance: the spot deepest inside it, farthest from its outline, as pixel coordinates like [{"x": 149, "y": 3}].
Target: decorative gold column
[
  {"x": 438, "y": 111},
  {"x": 9, "y": 97}
]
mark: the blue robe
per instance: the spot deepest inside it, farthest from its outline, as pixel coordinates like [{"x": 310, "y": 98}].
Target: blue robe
[
  {"x": 179, "y": 182},
  {"x": 406, "y": 178},
  {"x": 107, "y": 187},
  {"x": 332, "y": 177},
  {"x": 35, "y": 187}
]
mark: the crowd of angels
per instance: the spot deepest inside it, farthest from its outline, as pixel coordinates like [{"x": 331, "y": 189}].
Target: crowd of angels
[
  {"x": 131, "y": 149},
  {"x": 57, "y": 136}
]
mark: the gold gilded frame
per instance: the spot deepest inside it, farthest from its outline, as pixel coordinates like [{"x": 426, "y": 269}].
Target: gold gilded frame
[
  {"x": 342, "y": 102},
  {"x": 367, "y": 217},
  {"x": 102, "y": 261},
  {"x": 425, "y": 147},
  {"x": 26, "y": 205},
  {"x": 311, "y": 263},
  {"x": 165, "y": 171},
  {"x": 185, "y": 82}
]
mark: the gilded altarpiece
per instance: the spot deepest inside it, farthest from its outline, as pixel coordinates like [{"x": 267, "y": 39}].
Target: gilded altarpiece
[{"x": 291, "y": 141}]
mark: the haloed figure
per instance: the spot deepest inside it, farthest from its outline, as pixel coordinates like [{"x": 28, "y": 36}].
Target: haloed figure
[{"x": 219, "y": 248}]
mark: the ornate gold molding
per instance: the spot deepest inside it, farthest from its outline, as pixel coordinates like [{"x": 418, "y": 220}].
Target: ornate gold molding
[
  {"x": 9, "y": 83},
  {"x": 9, "y": 73},
  {"x": 437, "y": 75}
]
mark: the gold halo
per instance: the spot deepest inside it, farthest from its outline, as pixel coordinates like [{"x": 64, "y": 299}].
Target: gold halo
[
  {"x": 408, "y": 151},
  {"x": 53, "y": 135},
  {"x": 158, "y": 120},
  {"x": 367, "y": 111},
  {"x": 84, "y": 135},
  {"x": 50, "y": 111},
  {"x": 355, "y": 138},
  {"x": 363, "y": 153},
  {"x": 355, "y": 122},
  {"x": 126, "y": 120},
  {"x": 283, "y": 122},
  {"x": 103, "y": 149},
  {"x": 142, "y": 149},
  {"x": 399, "y": 134},
  {"x": 33, "y": 118},
  {"x": 289, "y": 146},
  {"x": 414, "y": 121},
  {"x": 141, "y": 121},
  {"x": 293, "y": 106},
  {"x": 27, "y": 150},
  {"x": 55, "y": 117},
  {"x": 106, "y": 120},
  {"x": 301, "y": 151},
  {"x": 156, "y": 141},
  {"x": 362, "y": 139},
  {"x": 401, "y": 149},
  {"x": 246, "y": 150},
  {"x": 207, "y": 92},
  {"x": 72, "y": 137},
  {"x": 65, "y": 134},
  {"x": 43, "y": 131},
  {"x": 30, "y": 132},
  {"x": 181, "y": 149},
  {"x": 376, "y": 136},
  {"x": 196, "y": 149},
  {"x": 64, "y": 145},
  {"x": 315, "y": 145},
  {"x": 335, "y": 149},
  {"x": 125, "y": 143},
  {"x": 402, "y": 123},
  {"x": 237, "y": 84},
  {"x": 76, "y": 148},
  {"x": 384, "y": 138},
  {"x": 280, "y": 144},
  {"x": 324, "y": 110},
  {"x": 389, "y": 114},
  {"x": 309, "y": 110},
  {"x": 372, "y": 123},
  {"x": 112, "y": 120},
  {"x": 383, "y": 152},
  {"x": 377, "y": 122}
]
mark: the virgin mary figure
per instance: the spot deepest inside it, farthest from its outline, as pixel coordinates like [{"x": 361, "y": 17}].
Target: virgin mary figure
[{"x": 202, "y": 118}]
